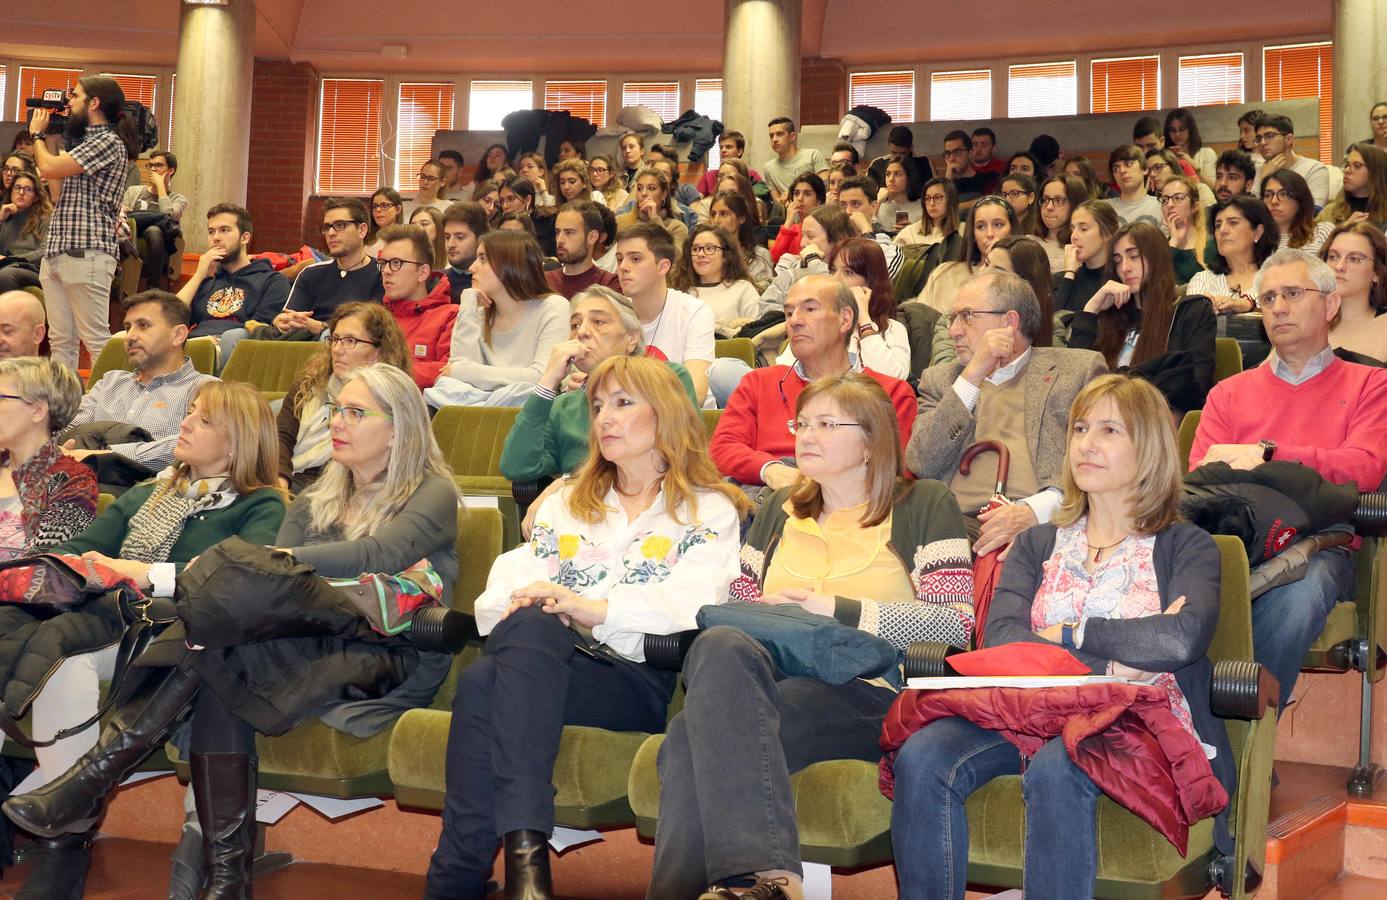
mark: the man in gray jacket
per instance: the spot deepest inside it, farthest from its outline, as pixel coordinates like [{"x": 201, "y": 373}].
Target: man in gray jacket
[{"x": 999, "y": 388}]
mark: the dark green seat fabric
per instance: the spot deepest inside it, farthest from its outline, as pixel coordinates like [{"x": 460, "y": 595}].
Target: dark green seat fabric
[
  {"x": 202, "y": 352},
  {"x": 271, "y": 366},
  {"x": 736, "y": 348},
  {"x": 1228, "y": 358},
  {"x": 710, "y": 419},
  {"x": 471, "y": 438}
]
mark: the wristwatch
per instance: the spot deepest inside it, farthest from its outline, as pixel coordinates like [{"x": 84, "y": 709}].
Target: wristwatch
[
  {"x": 1268, "y": 449},
  {"x": 1067, "y": 635}
]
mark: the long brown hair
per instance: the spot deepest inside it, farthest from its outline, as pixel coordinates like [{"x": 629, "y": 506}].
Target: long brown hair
[
  {"x": 239, "y": 412},
  {"x": 684, "y": 278},
  {"x": 1291, "y": 181},
  {"x": 1030, "y": 261},
  {"x": 42, "y": 209},
  {"x": 1377, "y": 295},
  {"x": 834, "y": 221},
  {"x": 1155, "y": 306},
  {"x": 439, "y": 256},
  {"x": 519, "y": 265},
  {"x": 746, "y": 232},
  {"x": 1375, "y": 158},
  {"x": 666, "y": 208},
  {"x": 864, "y": 257},
  {"x": 680, "y": 441},
  {"x": 379, "y": 323},
  {"x": 1075, "y": 191}
]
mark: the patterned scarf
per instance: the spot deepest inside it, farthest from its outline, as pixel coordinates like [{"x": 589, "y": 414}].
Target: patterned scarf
[
  {"x": 314, "y": 445},
  {"x": 156, "y": 526}
]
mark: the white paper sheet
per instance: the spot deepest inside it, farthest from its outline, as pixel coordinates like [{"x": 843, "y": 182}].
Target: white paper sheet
[
  {"x": 271, "y": 806},
  {"x": 565, "y": 838},
  {"x": 334, "y": 809},
  {"x": 481, "y": 502},
  {"x": 818, "y": 881}
]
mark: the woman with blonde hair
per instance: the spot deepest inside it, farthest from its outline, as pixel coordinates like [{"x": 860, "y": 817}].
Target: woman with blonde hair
[
  {"x": 654, "y": 202},
  {"x": 1364, "y": 195},
  {"x": 1186, "y": 223},
  {"x": 602, "y": 175},
  {"x": 571, "y": 181},
  {"x": 431, "y": 220},
  {"x": 1129, "y": 590},
  {"x": 642, "y": 537},
  {"x": 850, "y": 539}
]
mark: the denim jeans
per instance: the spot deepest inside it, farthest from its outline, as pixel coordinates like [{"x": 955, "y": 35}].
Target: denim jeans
[
  {"x": 946, "y": 761},
  {"x": 1287, "y": 620},
  {"x": 723, "y": 377},
  {"x": 726, "y": 808},
  {"x": 508, "y": 715}
]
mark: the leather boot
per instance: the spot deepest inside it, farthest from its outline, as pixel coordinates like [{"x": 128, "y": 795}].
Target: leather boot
[
  {"x": 224, "y": 787},
  {"x": 527, "y": 866},
  {"x": 75, "y": 802},
  {"x": 58, "y": 868}
]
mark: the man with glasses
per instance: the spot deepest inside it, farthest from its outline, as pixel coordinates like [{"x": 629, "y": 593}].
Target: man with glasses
[
  {"x": 322, "y": 287},
  {"x": 999, "y": 388},
  {"x": 425, "y": 317},
  {"x": 1276, "y": 143},
  {"x": 150, "y": 202},
  {"x": 958, "y": 167},
  {"x": 433, "y": 180},
  {"x": 1304, "y": 405}
]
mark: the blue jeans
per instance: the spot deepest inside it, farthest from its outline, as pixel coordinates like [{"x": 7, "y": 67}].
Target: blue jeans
[
  {"x": 945, "y": 762},
  {"x": 1287, "y": 620},
  {"x": 723, "y": 377}
]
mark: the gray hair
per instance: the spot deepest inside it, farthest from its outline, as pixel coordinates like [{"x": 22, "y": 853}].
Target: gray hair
[
  {"x": 622, "y": 306},
  {"x": 838, "y": 293},
  {"x": 1318, "y": 270},
  {"x": 1012, "y": 292},
  {"x": 38, "y": 379}
]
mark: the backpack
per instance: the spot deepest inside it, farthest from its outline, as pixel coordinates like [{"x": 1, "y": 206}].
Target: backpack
[{"x": 146, "y": 126}]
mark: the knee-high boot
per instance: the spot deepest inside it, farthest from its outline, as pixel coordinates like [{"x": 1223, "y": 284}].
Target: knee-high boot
[{"x": 224, "y": 786}]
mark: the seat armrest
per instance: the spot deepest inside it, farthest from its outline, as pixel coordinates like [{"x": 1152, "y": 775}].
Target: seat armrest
[
  {"x": 1371, "y": 515},
  {"x": 525, "y": 492},
  {"x": 667, "y": 651},
  {"x": 1242, "y": 689},
  {"x": 442, "y": 630},
  {"x": 925, "y": 659}
]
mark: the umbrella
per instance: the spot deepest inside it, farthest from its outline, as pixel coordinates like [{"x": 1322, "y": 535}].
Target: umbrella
[{"x": 987, "y": 569}]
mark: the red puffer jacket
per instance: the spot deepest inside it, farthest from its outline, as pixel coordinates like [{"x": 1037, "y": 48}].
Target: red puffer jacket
[
  {"x": 428, "y": 328},
  {"x": 1123, "y": 736}
]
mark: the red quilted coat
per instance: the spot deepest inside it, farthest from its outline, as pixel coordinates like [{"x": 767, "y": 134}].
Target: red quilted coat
[{"x": 1123, "y": 736}]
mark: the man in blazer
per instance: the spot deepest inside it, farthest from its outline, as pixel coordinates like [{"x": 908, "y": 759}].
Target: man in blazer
[{"x": 999, "y": 388}]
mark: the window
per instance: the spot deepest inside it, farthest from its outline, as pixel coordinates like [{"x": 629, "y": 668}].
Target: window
[
  {"x": 581, "y": 98},
  {"x": 33, "y": 81},
  {"x": 349, "y": 135},
  {"x": 960, "y": 95},
  {"x": 4, "y": 82},
  {"x": 422, "y": 110},
  {"x": 1303, "y": 70},
  {"x": 1125, "y": 85},
  {"x": 893, "y": 92},
  {"x": 142, "y": 88},
  {"x": 1042, "y": 89},
  {"x": 173, "y": 89},
  {"x": 1211, "y": 80},
  {"x": 661, "y": 96},
  {"x": 491, "y": 101},
  {"x": 708, "y": 102}
]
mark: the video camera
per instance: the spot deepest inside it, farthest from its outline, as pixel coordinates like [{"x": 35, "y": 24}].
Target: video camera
[{"x": 55, "y": 100}]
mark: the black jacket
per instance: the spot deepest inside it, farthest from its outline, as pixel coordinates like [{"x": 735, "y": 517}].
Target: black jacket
[
  {"x": 1072, "y": 293},
  {"x": 918, "y": 170},
  {"x": 229, "y": 300}
]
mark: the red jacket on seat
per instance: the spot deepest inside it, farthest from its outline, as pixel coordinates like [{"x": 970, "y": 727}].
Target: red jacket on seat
[{"x": 428, "y": 328}]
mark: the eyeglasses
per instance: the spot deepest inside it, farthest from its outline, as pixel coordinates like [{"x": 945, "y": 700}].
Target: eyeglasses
[
  {"x": 1292, "y": 295},
  {"x": 1013, "y": 195},
  {"x": 957, "y": 151},
  {"x": 1053, "y": 201},
  {"x": 1270, "y": 135},
  {"x": 1277, "y": 195},
  {"x": 969, "y": 315},
  {"x": 826, "y": 426},
  {"x": 600, "y": 170},
  {"x": 935, "y": 198},
  {"x": 429, "y": 178},
  {"x": 22, "y": 190},
  {"x": 353, "y": 415},
  {"x": 1334, "y": 257},
  {"x": 1167, "y": 199},
  {"x": 382, "y": 207},
  {"x": 339, "y": 226},
  {"x": 11, "y": 170},
  {"x": 396, "y": 264},
  {"x": 348, "y": 342},
  {"x": 1379, "y": 118},
  {"x": 706, "y": 249},
  {"x": 158, "y": 166}
]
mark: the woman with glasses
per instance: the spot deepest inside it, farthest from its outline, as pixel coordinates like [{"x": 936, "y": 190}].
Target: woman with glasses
[
  {"x": 850, "y": 539},
  {"x": 1186, "y": 224},
  {"x": 433, "y": 181},
  {"x": 601, "y": 173},
  {"x": 1020, "y": 191},
  {"x": 731, "y": 212},
  {"x": 1364, "y": 195},
  {"x": 711, "y": 268},
  {"x": 939, "y": 218},
  {"x": 387, "y": 208},
  {"x": 24, "y": 222},
  {"x": 1287, "y": 197},
  {"x": 1060, "y": 195},
  {"x": 1245, "y": 235},
  {"x": 1377, "y": 117},
  {"x": 1091, "y": 227},
  {"x": 14, "y": 164},
  {"x": 1357, "y": 252},
  {"x": 359, "y": 334},
  {"x": 991, "y": 219}
]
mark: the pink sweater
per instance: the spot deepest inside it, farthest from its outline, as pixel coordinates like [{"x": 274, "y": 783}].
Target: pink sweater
[{"x": 1336, "y": 422}]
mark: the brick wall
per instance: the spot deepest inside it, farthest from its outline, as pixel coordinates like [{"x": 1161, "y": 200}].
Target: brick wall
[
  {"x": 283, "y": 122},
  {"x": 823, "y": 91}
]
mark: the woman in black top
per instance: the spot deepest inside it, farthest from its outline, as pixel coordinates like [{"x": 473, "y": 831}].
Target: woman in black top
[{"x": 1091, "y": 229}]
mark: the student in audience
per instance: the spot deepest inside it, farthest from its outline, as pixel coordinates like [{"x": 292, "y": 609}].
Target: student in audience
[
  {"x": 881, "y": 342},
  {"x": 1153, "y": 582},
  {"x": 426, "y": 317},
  {"x": 981, "y": 395},
  {"x": 531, "y": 166},
  {"x": 1186, "y": 224},
  {"x": 1141, "y": 326},
  {"x": 900, "y": 144},
  {"x": 432, "y": 181},
  {"x": 487, "y": 194},
  {"x": 679, "y": 193},
  {"x": 1046, "y": 151},
  {"x": 843, "y": 152},
  {"x": 453, "y": 188},
  {"x": 387, "y": 208},
  {"x": 517, "y": 195},
  {"x": 821, "y": 230},
  {"x": 22, "y": 324},
  {"x": 155, "y": 194},
  {"x": 463, "y": 226},
  {"x": 359, "y": 334},
  {"x": 507, "y": 325},
  {"x": 14, "y": 164},
  {"x": 1020, "y": 191},
  {"x": 604, "y": 254},
  {"x": 1245, "y": 235},
  {"x": 602, "y": 177},
  {"x": 789, "y": 160},
  {"x": 577, "y": 229},
  {"x": 1091, "y": 228},
  {"x": 631, "y": 148},
  {"x": 731, "y": 145},
  {"x": 571, "y": 180},
  {"x": 990, "y": 219},
  {"x": 1364, "y": 194},
  {"x": 1060, "y": 195},
  {"x": 572, "y": 150},
  {"x": 655, "y": 205},
  {"x": 837, "y": 173},
  {"x": 321, "y": 287},
  {"x": 858, "y": 197},
  {"x": 711, "y": 268},
  {"x": 1303, "y": 405},
  {"x": 1127, "y": 165},
  {"x": 727, "y": 808},
  {"x": 1247, "y": 132},
  {"x": 647, "y": 468},
  {"x": 1025, "y": 163},
  {"x": 752, "y": 444},
  {"x": 1182, "y": 136},
  {"x": 24, "y": 221},
  {"x": 984, "y": 150},
  {"x": 733, "y": 178},
  {"x": 1147, "y": 135},
  {"x": 1276, "y": 140},
  {"x": 1287, "y": 197},
  {"x": 495, "y": 158},
  {"x": 896, "y": 210},
  {"x": 520, "y": 223},
  {"x": 730, "y": 212},
  {"x": 1357, "y": 252},
  {"x": 938, "y": 220},
  {"x": 1234, "y": 174},
  {"x": 1081, "y": 167},
  {"x": 958, "y": 167},
  {"x": 1377, "y": 118},
  {"x": 430, "y": 221},
  {"x": 1162, "y": 165}
]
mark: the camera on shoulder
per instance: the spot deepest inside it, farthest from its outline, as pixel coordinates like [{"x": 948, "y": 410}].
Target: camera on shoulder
[{"x": 54, "y": 100}]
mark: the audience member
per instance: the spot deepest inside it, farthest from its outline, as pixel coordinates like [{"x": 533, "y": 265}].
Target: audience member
[
  {"x": 1046, "y": 151},
  {"x": 602, "y": 176},
  {"x": 430, "y": 221},
  {"x": 1091, "y": 228},
  {"x": 387, "y": 208},
  {"x": 681, "y": 195},
  {"x": 1364, "y": 194},
  {"x": 821, "y": 230},
  {"x": 843, "y": 152},
  {"x": 1247, "y": 132},
  {"x": 900, "y": 144},
  {"x": 731, "y": 145},
  {"x": 1021, "y": 255},
  {"x": 1020, "y": 191},
  {"x": 990, "y": 219},
  {"x": 577, "y": 229},
  {"x": 426, "y": 317},
  {"x": 488, "y": 196},
  {"x": 984, "y": 147},
  {"x": 517, "y": 195},
  {"x": 958, "y": 167},
  {"x": 858, "y": 197},
  {"x": 432, "y": 181},
  {"x": 1287, "y": 197},
  {"x": 807, "y": 193},
  {"x": 1060, "y": 195},
  {"x": 895, "y": 210},
  {"x": 1182, "y": 136},
  {"x": 604, "y": 254},
  {"x": 730, "y": 211},
  {"x": 838, "y": 172},
  {"x": 1276, "y": 141},
  {"x": 1147, "y": 134},
  {"x": 1025, "y": 163},
  {"x": 571, "y": 180},
  {"x": 158, "y": 204},
  {"x": 789, "y": 160},
  {"x": 453, "y": 188},
  {"x": 520, "y": 223},
  {"x": 711, "y": 268},
  {"x": 532, "y": 167},
  {"x": 322, "y": 287},
  {"x": 463, "y": 226},
  {"x": 1127, "y": 165},
  {"x": 24, "y": 221},
  {"x": 1081, "y": 167},
  {"x": 1377, "y": 117},
  {"x": 1234, "y": 174},
  {"x": 1357, "y": 252},
  {"x": 939, "y": 220},
  {"x": 1186, "y": 223},
  {"x": 654, "y": 204},
  {"x": 572, "y": 150},
  {"x": 632, "y": 149},
  {"x": 881, "y": 343},
  {"x": 1302, "y": 405},
  {"x": 14, "y": 164},
  {"x": 1245, "y": 235},
  {"x": 22, "y": 324},
  {"x": 495, "y": 158}
]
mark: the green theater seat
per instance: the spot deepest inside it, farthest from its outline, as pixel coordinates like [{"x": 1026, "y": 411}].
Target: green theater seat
[
  {"x": 271, "y": 366},
  {"x": 471, "y": 438}
]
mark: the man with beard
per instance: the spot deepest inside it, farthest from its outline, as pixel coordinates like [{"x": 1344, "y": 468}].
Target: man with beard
[
  {"x": 463, "y": 226},
  {"x": 79, "y": 258},
  {"x": 231, "y": 294},
  {"x": 322, "y": 287},
  {"x": 577, "y": 230}
]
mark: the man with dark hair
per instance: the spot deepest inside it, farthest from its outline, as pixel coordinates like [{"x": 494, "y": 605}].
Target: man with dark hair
[
  {"x": 1276, "y": 143},
  {"x": 789, "y": 160},
  {"x": 604, "y": 254},
  {"x": 731, "y": 145},
  {"x": 151, "y": 197},
  {"x": 322, "y": 287},
  {"x": 984, "y": 152},
  {"x": 631, "y": 149},
  {"x": 1148, "y": 133},
  {"x": 426, "y": 318},
  {"x": 453, "y": 188},
  {"x": 1127, "y": 165},
  {"x": 900, "y": 143},
  {"x": 845, "y": 153},
  {"x": 1235, "y": 174},
  {"x": 153, "y": 394},
  {"x": 577, "y": 230},
  {"x": 231, "y": 294},
  {"x": 958, "y": 166},
  {"x": 464, "y": 223},
  {"x": 858, "y": 197}
]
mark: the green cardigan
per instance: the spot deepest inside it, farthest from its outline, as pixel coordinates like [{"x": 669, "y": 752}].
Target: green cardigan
[
  {"x": 256, "y": 518},
  {"x": 550, "y": 437}
]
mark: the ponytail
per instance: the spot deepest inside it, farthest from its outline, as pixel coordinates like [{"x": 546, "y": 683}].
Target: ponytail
[{"x": 112, "y": 100}]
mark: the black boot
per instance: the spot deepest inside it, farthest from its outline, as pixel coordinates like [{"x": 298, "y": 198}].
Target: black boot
[
  {"x": 527, "y": 866},
  {"x": 224, "y": 787},
  {"x": 75, "y": 802},
  {"x": 58, "y": 869}
]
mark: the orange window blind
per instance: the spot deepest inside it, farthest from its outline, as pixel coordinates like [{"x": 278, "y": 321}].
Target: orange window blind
[
  {"x": 422, "y": 109},
  {"x": 1303, "y": 70},
  {"x": 1211, "y": 80},
  {"x": 1043, "y": 89},
  {"x": 893, "y": 92},
  {"x": 1132, "y": 84},
  {"x": 660, "y": 96},
  {"x": 960, "y": 95},
  {"x": 34, "y": 80},
  {"x": 349, "y": 117},
  {"x": 587, "y": 99}
]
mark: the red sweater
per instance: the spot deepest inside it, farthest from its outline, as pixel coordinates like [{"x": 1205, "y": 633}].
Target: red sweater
[
  {"x": 1335, "y": 423},
  {"x": 787, "y": 240},
  {"x": 753, "y": 431},
  {"x": 428, "y": 328}
]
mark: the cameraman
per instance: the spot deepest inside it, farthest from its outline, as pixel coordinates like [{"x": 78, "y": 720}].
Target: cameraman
[{"x": 87, "y": 182}]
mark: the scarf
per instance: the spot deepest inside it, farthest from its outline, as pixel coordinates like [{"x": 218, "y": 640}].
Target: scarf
[
  {"x": 156, "y": 526},
  {"x": 36, "y": 487},
  {"x": 314, "y": 446}
]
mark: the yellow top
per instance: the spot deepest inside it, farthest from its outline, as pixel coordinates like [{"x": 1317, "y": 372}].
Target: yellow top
[{"x": 839, "y": 557}]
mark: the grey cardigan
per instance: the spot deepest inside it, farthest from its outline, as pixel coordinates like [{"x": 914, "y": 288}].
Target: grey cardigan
[{"x": 14, "y": 242}]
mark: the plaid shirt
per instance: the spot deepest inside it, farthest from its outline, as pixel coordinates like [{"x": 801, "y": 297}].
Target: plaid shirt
[
  {"x": 158, "y": 407},
  {"x": 85, "y": 217}
]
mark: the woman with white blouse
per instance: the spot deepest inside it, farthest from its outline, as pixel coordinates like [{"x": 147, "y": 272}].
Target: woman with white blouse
[{"x": 712, "y": 268}]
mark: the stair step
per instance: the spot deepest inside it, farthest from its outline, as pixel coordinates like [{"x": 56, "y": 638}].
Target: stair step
[{"x": 1352, "y": 887}]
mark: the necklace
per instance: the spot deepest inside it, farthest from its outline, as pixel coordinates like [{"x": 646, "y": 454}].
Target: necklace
[{"x": 1098, "y": 551}]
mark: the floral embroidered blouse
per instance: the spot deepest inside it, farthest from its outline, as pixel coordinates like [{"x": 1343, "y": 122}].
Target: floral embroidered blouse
[{"x": 654, "y": 572}]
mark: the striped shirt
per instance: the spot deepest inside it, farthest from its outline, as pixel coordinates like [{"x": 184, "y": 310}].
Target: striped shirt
[
  {"x": 85, "y": 217},
  {"x": 158, "y": 407}
]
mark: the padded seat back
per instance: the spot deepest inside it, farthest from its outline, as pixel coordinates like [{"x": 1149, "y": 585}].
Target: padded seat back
[
  {"x": 271, "y": 366},
  {"x": 736, "y": 348},
  {"x": 710, "y": 420},
  {"x": 111, "y": 358},
  {"x": 1188, "y": 426},
  {"x": 1228, "y": 358},
  {"x": 472, "y": 437},
  {"x": 202, "y": 352}
]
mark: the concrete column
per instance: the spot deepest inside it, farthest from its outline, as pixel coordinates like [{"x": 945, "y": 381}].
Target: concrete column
[
  {"x": 216, "y": 55},
  {"x": 760, "y": 69},
  {"x": 1360, "y": 68}
]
